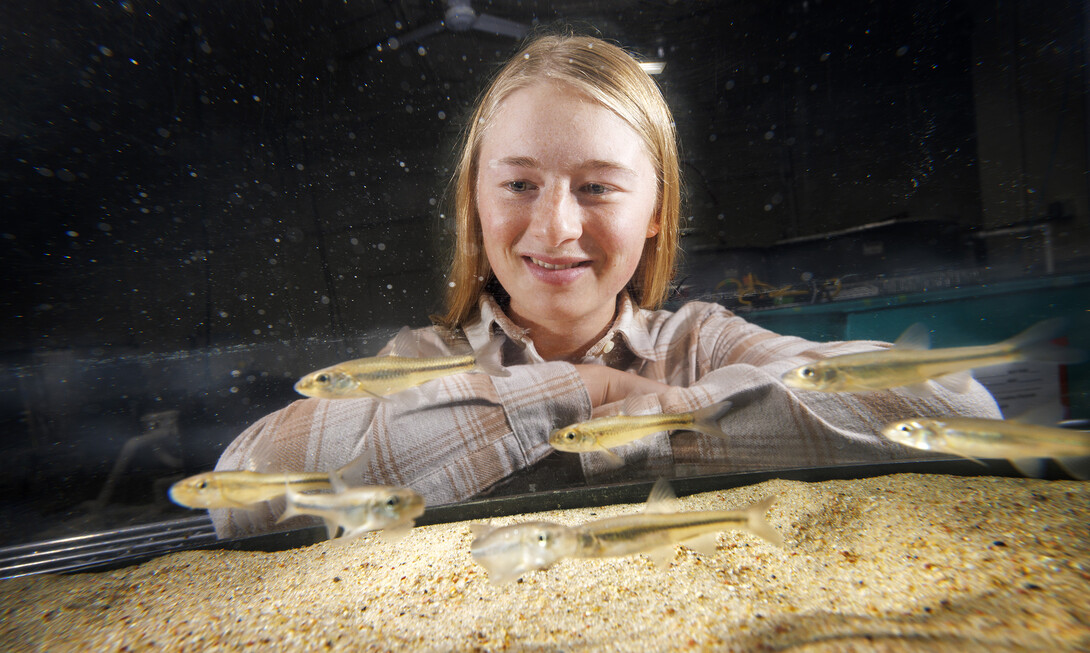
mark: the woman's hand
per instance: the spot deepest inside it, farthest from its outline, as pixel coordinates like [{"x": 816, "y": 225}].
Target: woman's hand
[{"x": 607, "y": 385}]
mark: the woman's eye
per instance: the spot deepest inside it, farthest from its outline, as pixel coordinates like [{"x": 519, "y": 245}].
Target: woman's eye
[
  {"x": 518, "y": 186},
  {"x": 596, "y": 189}
]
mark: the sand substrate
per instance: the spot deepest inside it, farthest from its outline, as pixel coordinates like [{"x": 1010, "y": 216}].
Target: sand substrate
[{"x": 905, "y": 562}]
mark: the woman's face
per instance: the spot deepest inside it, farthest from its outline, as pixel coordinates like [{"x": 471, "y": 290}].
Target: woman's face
[{"x": 566, "y": 195}]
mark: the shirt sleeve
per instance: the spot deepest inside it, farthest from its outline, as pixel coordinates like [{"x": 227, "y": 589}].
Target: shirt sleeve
[
  {"x": 448, "y": 440},
  {"x": 712, "y": 355},
  {"x": 772, "y": 425}
]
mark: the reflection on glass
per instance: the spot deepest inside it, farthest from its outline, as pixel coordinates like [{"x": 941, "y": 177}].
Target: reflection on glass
[{"x": 204, "y": 205}]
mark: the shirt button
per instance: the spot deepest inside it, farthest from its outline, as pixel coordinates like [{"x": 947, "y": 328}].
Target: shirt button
[{"x": 608, "y": 348}]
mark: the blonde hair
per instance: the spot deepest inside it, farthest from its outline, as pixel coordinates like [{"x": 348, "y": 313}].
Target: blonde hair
[{"x": 612, "y": 77}]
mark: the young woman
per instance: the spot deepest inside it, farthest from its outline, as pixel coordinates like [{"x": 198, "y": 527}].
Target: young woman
[{"x": 567, "y": 201}]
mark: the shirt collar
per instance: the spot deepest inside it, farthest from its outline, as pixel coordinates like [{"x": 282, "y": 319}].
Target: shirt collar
[{"x": 629, "y": 331}]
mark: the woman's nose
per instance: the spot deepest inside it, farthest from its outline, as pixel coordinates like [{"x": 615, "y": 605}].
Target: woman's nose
[{"x": 557, "y": 217}]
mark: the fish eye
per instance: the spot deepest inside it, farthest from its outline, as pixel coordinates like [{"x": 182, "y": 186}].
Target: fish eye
[
  {"x": 393, "y": 501},
  {"x": 904, "y": 428},
  {"x": 543, "y": 538},
  {"x": 202, "y": 485},
  {"x": 322, "y": 378},
  {"x": 569, "y": 436},
  {"x": 807, "y": 372}
]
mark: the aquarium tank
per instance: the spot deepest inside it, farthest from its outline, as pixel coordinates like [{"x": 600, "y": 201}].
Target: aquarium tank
[{"x": 202, "y": 202}]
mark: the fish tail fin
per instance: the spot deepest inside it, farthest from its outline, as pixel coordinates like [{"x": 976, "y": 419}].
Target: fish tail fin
[
  {"x": 757, "y": 524},
  {"x": 489, "y": 358},
  {"x": 1035, "y": 344},
  {"x": 706, "y": 420}
]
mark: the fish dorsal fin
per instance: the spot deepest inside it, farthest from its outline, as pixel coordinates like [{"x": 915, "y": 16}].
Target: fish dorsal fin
[
  {"x": 404, "y": 344},
  {"x": 662, "y": 498},
  {"x": 1044, "y": 415},
  {"x": 958, "y": 382},
  {"x": 630, "y": 405},
  {"x": 916, "y": 336}
]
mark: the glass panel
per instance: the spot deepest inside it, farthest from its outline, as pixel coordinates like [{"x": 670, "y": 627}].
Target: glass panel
[{"x": 203, "y": 202}]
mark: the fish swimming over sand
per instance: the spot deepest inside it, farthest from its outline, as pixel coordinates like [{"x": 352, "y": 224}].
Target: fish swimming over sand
[
  {"x": 359, "y": 509},
  {"x": 911, "y": 364},
  {"x": 241, "y": 489},
  {"x": 604, "y": 433},
  {"x": 510, "y": 551},
  {"x": 1022, "y": 443},
  {"x": 379, "y": 376}
]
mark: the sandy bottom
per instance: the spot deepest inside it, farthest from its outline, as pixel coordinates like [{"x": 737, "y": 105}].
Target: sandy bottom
[{"x": 904, "y": 562}]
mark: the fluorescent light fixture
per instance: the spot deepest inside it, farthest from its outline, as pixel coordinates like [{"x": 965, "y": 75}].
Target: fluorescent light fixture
[{"x": 653, "y": 67}]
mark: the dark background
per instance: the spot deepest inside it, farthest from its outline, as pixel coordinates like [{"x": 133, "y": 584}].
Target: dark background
[{"x": 203, "y": 201}]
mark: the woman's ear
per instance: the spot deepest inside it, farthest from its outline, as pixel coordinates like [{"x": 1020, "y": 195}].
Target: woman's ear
[{"x": 653, "y": 227}]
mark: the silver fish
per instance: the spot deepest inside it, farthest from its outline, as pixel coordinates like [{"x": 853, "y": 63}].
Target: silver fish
[
  {"x": 911, "y": 364},
  {"x": 242, "y": 489},
  {"x": 606, "y": 432},
  {"x": 380, "y": 376},
  {"x": 510, "y": 551},
  {"x": 1022, "y": 443},
  {"x": 359, "y": 509},
  {"x": 658, "y": 528}
]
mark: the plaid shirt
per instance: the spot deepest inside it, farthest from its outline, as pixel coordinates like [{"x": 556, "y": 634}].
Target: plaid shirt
[{"x": 475, "y": 430}]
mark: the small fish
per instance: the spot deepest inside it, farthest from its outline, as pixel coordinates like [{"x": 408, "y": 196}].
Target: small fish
[
  {"x": 1022, "y": 443},
  {"x": 241, "y": 489},
  {"x": 510, "y": 551},
  {"x": 658, "y": 528},
  {"x": 911, "y": 364},
  {"x": 379, "y": 376},
  {"x": 359, "y": 509},
  {"x": 604, "y": 433}
]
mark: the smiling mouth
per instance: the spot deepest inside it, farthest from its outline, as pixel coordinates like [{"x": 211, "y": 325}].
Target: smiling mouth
[{"x": 551, "y": 266}]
